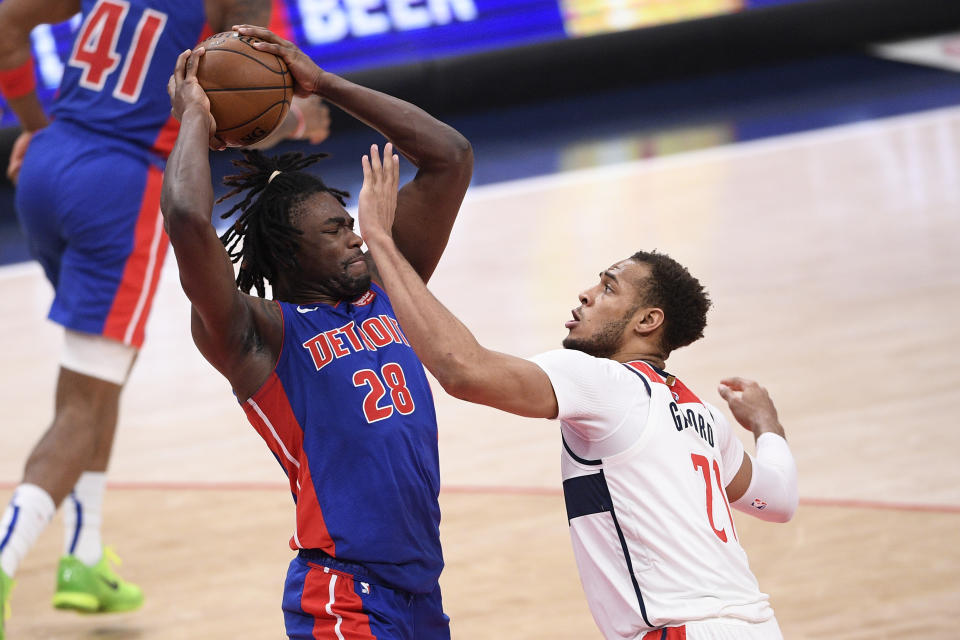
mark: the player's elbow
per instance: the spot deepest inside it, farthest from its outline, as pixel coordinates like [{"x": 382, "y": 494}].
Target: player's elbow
[
  {"x": 463, "y": 156},
  {"x": 453, "y": 379},
  {"x": 461, "y": 151},
  {"x": 785, "y": 511},
  {"x": 458, "y": 378},
  {"x": 181, "y": 219},
  {"x": 453, "y": 157}
]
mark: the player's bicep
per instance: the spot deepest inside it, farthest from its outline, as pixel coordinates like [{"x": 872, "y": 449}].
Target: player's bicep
[
  {"x": 510, "y": 384},
  {"x": 741, "y": 479}
]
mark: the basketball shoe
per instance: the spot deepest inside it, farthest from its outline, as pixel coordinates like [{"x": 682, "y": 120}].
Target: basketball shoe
[
  {"x": 94, "y": 589},
  {"x": 6, "y": 584}
]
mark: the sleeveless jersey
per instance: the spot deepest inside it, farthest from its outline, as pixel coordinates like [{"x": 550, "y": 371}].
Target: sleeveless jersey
[
  {"x": 115, "y": 80},
  {"x": 349, "y": 415},
  {"x": 651, "y": 528}
]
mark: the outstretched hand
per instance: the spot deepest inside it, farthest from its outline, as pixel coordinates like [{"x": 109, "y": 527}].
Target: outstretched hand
[
  {"x": 378, "y": 195},
  {"x": 751, "y": 405},
  {"x": 186, "y": 93},
  {"x": 306, "y": 74}
]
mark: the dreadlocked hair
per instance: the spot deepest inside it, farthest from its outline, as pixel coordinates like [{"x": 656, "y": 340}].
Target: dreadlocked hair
[{"x": 263, "y": 238}]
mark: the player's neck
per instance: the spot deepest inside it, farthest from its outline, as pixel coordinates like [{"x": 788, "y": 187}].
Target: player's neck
[
  {"x": 650, "y": 357},
  {"x": 302, "y": 294}
]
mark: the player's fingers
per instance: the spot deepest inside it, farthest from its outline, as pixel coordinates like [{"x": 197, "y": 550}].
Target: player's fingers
[
  {"x": 736, "y": 382},
  {"x": 387, "y": 153},
  {"x": 269, "y": 47},
  {"x": 193, "y": 61},
  {"x": 171, "y": 87},
  {"x": 394, "y": 171},
  {"x": 365, "y": 161},
  {"x": 375, "y": 160},
  {"x": 179, "y": 67},
  {"x": 262, "y": 33},
  {"x": 725, "y": 392}
]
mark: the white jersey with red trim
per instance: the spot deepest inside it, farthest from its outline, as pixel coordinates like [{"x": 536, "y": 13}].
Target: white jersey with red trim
[{"x": 644, "y": 466}]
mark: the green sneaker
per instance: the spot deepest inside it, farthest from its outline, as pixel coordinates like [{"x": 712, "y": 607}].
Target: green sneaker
[
  {"x": 6, "y": 585},
  {"x": 94, "y": 589}
]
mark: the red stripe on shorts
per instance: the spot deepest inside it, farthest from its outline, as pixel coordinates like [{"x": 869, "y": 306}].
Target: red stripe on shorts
[
  {"x": 141, "y": 273},
  {"x": 330, "y": 597}
]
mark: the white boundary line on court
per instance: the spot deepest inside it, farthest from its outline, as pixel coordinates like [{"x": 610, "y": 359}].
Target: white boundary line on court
[{"x": 644, "y": 165}]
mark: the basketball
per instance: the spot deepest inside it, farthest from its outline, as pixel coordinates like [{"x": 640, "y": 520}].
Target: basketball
[{"x": 249, "y": 90}]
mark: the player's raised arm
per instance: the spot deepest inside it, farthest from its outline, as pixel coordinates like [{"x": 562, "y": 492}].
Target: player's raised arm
[
  {"x": 428, "y": 205},
  {"x": 446, "y": 347},
  {"x": 223, "y": 317},
  {"x": 765, "y": 487}
]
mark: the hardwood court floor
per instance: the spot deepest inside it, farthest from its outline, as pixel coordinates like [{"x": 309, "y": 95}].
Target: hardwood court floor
[
  {"x": 832, "y": 260},
  {"x": 212, "y": 563}
]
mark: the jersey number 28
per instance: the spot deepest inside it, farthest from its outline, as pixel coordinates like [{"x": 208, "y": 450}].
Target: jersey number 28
[
  {"x": 401, "y": 399},
  {"x": 95, "y": 49}
]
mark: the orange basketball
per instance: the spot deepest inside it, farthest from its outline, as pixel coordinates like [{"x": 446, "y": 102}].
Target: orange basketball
[{"x": 249, "y": 90}]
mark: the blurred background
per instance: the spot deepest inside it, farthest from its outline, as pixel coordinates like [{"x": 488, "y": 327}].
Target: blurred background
[{"x": 541, "y": 86}]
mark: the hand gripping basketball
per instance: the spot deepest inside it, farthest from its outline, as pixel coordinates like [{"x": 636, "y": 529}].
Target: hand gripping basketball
[
  {"x": 306, "y": 74},
  {"x": 186, "y": 93}
]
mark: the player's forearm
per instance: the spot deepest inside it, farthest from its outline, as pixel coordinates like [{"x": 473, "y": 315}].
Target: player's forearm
[
  {"x": 427, "y": 142},
  {"x": 444, "y": 345},
  {"x": 187, "y": 196},
  {"x": 772, "y": 494},
  {"x": 29, "y": 112},
  {"x": 17, "y": 83}
]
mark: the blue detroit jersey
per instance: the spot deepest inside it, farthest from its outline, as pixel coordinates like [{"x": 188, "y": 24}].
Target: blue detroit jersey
[
  {"x": 115, "y": 80},
  {"x": 349, "y": 415}
]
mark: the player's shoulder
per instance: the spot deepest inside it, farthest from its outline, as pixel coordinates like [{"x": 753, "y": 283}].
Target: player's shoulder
[{"x": 575, "y": 362}]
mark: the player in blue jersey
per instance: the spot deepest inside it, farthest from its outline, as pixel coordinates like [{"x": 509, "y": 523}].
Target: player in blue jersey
[
  {"x": 323, "y": 371},
  {"x": 101, "y": 245}
]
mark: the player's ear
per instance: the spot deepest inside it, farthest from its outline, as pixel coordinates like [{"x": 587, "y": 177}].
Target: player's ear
[{"x": 647, "y": 320}]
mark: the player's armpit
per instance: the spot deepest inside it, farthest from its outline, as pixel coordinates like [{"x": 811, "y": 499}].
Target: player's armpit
[{"x": 771, "y": 494}]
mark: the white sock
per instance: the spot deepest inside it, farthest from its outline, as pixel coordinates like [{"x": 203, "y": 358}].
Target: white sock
[
  {"x": 29, "y": 512},
  {"x": 82, "y": 516}
]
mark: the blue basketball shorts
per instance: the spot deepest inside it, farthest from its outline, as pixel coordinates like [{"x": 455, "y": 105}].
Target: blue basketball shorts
[
  {"x": 328, "y": 599},
  {"x": 90, "y": 207}
]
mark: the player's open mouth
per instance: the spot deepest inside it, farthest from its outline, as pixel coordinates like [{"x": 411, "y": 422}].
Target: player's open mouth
[{"x": 570, "y": 324}]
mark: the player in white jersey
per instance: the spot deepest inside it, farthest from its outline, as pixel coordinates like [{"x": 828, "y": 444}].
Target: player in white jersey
[{"x": 649, "y": 471}]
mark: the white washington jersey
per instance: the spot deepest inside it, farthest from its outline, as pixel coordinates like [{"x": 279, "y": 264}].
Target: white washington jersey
[{"x": 644, "y": 465}]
